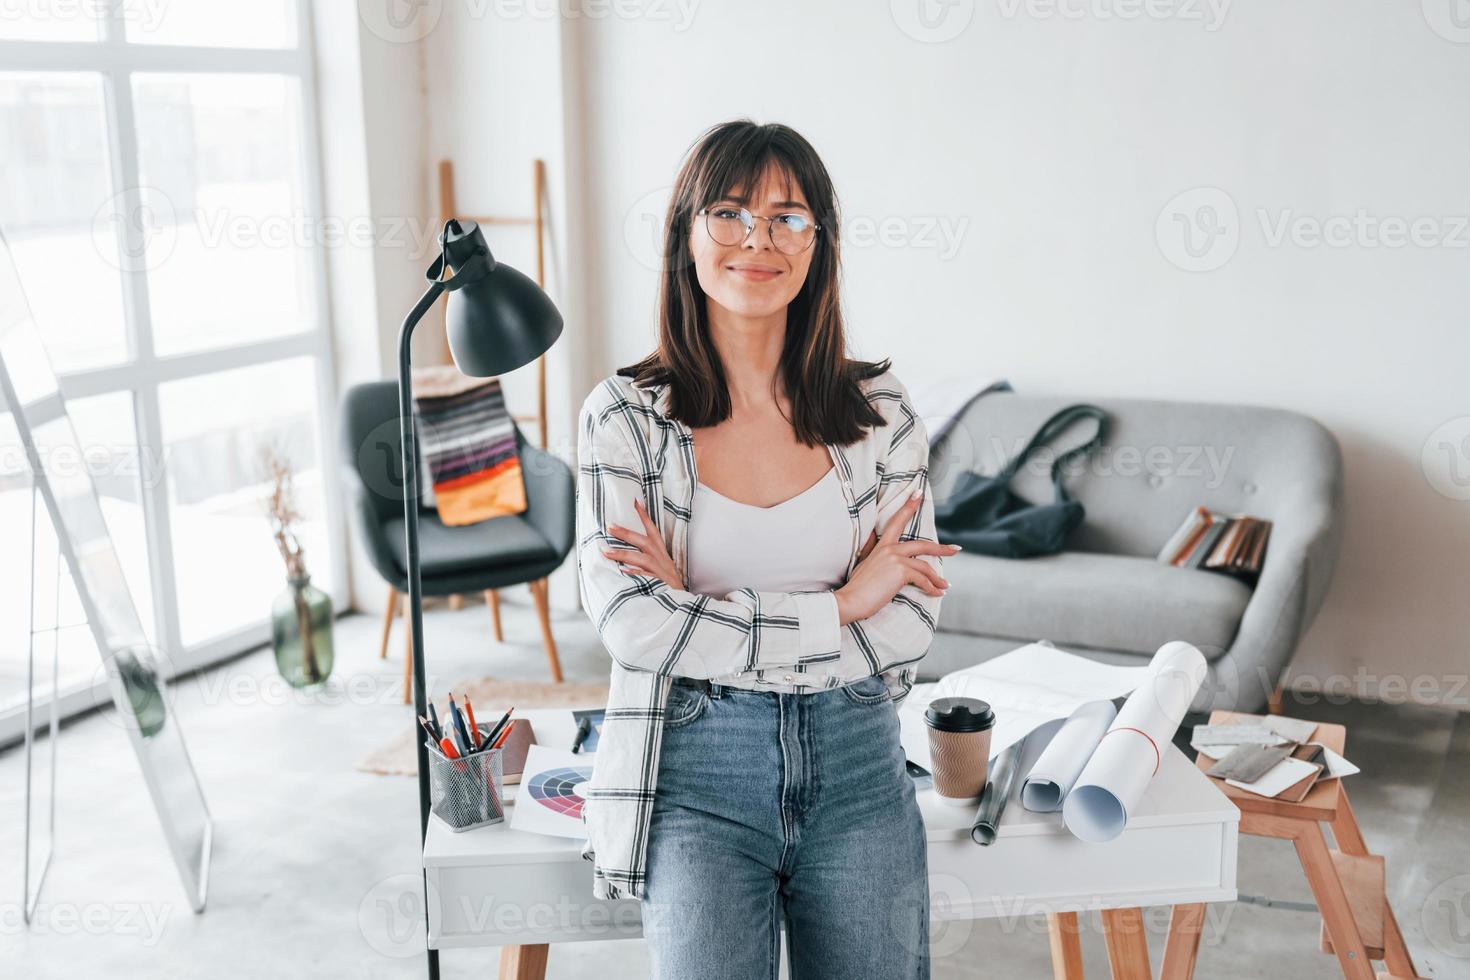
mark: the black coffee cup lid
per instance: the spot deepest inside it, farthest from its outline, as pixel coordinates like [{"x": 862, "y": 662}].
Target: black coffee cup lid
[{"x": 959, "y": 715}]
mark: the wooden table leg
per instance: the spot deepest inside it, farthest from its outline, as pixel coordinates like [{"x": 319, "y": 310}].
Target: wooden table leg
[
  {"x": 1350, "y": 841},
  {"x": 1181, "y": 949},
  {"x": 1127, "y": 944},
  {"x": 523, "y": 962},
  {"x": 1066, "y": 947},
  {"x": 1332, "y": 900}
]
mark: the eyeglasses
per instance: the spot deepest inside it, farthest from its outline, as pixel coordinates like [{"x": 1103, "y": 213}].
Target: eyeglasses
[{"x": 790, "y": 233}]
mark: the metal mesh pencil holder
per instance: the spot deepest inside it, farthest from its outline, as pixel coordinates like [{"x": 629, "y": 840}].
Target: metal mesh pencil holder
[{"x": 468, "y": 792}]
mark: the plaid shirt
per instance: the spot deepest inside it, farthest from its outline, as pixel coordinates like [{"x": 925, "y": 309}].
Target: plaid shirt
[{"x": 630, "y": 448}]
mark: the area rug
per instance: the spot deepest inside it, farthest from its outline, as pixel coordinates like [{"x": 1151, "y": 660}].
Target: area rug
[{"x": 491, "y": 697}]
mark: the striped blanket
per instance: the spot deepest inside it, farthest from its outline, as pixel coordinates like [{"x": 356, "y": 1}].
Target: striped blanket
[{"x": 468, "y": 442}]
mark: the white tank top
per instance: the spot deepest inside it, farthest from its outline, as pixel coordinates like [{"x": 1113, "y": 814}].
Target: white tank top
[{"x": 799, "y": 544}]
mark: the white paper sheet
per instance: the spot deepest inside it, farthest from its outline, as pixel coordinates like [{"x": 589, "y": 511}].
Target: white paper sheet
[
  {"x": 1061, "y": 762},
  {"x": 1293, "y": 729},
  {"x": 1337, "y": 766},
  {"x": 1126, "y": 759},
  {"x": 1235, "y": 735},
  {"x": 551, "y": 792},
  {"x": 1027, "y": 687}
]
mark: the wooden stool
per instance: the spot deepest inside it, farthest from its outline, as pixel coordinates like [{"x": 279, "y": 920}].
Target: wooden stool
[{"x": 1347, "y": 881}]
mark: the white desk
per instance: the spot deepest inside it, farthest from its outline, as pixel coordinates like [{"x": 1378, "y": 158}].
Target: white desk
[{"x": 495, "y": 886}]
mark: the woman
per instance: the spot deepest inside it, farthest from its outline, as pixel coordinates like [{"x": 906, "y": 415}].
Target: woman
[{"x": 756, "y": 548}]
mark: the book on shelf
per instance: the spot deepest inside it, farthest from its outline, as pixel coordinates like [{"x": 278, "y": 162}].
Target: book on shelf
[{"x": 1230, "y": 543}]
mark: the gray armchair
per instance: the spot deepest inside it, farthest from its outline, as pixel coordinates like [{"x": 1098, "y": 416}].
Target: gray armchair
[
  {"x": 481, "y": 557},
  {"x": 1107, "y": 597}
]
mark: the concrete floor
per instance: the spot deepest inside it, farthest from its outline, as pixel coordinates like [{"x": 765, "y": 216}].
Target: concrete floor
[{"x": 315, "y": 865}]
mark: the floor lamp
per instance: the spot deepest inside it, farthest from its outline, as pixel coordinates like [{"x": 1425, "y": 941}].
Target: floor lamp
[{"x": 497, "y": 320}]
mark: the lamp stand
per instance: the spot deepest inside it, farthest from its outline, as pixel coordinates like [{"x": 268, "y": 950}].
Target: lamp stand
[
  {"x": 407, "y": 436},
  {"x": 498, "y": 320}
]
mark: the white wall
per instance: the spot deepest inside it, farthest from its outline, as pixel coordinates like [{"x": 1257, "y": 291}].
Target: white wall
[
  {"x": 370, "y": 89},
  {"x": 496, "y": 104},
  {"x": 1048, "y": 146},
  {"x": 1010, "y": 193}
]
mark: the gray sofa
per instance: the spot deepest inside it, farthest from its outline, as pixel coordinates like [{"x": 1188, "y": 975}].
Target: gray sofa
[{"x": 1107, "y": 597}]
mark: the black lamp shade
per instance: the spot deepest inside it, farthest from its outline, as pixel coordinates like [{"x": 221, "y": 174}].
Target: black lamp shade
[
  {"x": 499, "y": 323},
  {"x": 498, "y": 318}
]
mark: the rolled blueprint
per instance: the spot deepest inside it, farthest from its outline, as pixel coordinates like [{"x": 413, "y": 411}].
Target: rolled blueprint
[
  {"x": 996, "y": 792},
  {"x": 1061, "y": 762},
  {"x": 1132, "y": 749}
]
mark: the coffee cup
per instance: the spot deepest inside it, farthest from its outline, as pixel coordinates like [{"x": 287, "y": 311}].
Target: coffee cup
[{"x": 959, "y": 747}]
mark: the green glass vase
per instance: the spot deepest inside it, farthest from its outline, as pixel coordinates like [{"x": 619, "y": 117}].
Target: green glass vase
[{"x": 301, "y": 632}]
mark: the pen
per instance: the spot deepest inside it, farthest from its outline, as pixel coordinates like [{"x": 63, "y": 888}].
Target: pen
[
  {"x": 456, "y": 719},
  {"x": 584, "y": 728},
  {"x": 485, "y": 745},
  {"x": 494, "y": 732},
  {"x": 469, "y": 710},
  {"x": 503, "y": 735},
  {"x": 434, "y": 720},
  {"x": 450, "y": 752},
  {"x": 462, "y": 741}
]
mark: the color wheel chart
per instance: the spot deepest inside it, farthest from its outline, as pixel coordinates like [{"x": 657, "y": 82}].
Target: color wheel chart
[
  {"x": 559, "y": 790},
  {"x": 552, "y": 792}
]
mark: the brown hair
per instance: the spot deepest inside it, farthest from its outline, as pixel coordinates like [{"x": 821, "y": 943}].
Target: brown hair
[{"x": 820, "y": 379}]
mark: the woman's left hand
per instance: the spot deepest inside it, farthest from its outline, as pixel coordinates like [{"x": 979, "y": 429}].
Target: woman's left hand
[{"x": 651, "y": 558}]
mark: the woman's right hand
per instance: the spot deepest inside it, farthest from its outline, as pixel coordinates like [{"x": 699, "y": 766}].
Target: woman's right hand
[{"x": 889, "y": 566}]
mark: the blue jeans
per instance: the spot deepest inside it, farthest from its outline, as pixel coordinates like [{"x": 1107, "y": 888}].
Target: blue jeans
[{"x": 794, "y": 806}]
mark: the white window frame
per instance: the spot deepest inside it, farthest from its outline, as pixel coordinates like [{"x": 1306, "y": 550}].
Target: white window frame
[{"x": 116, "y": 60}]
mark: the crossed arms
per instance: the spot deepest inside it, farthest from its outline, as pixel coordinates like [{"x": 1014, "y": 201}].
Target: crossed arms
[{"x": 647, "y": 625}]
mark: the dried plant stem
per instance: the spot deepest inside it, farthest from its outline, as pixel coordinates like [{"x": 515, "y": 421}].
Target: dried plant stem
[
  {"x": 281, "y": 508},
  {"x": 308, "y": 640}
]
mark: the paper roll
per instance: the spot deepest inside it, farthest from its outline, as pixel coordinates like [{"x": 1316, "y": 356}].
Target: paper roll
[
  {"x": 1061, "y": 762},
  {"x": 1131, "y": 751},
  {"x": 997, "y": 791}
]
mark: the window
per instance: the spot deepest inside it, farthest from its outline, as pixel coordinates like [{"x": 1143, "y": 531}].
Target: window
[{"x": 158, "y": 196}]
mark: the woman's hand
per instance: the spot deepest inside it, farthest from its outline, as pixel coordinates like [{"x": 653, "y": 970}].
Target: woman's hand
[
  {"x": 886, "y": 565},
  {"x": 651, "y": 558}
]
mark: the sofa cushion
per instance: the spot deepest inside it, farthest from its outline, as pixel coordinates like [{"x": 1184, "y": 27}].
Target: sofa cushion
[{"x": 1114, "y": 602}]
